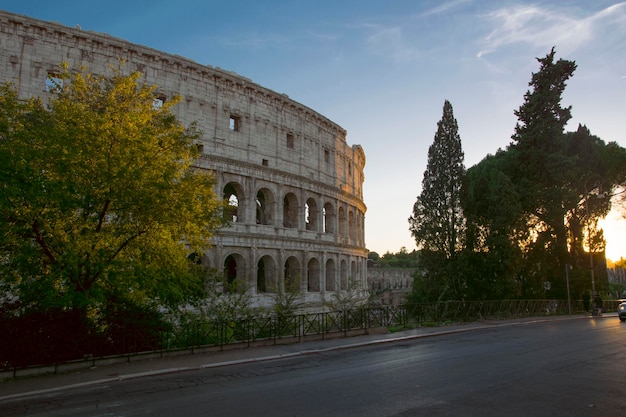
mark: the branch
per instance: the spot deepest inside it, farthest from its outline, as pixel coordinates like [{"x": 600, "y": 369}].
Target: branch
[
  {"x": 40, "y": 240},
  {"x": 110, "y": 259},
  {"x": 103, "y": 215}
]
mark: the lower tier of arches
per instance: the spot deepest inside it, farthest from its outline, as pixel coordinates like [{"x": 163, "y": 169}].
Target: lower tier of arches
[{"x": 314, "y": 274}]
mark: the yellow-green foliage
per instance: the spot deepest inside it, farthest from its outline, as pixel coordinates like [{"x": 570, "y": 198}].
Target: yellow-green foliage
[{"x": 99, "y": 195}]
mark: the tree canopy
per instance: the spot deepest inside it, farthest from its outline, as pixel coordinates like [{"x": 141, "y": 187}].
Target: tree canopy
[
  {"x": 532, "y": 209},
  {"x": 513, "y": 224},
  {"x": 99, "y": 195},
  {"x": 437, "y": 222}
]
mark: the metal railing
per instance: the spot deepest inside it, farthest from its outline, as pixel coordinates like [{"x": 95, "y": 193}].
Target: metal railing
[
  {"x": 297, "y": 327},
  {"x": 205, "y": 334}
]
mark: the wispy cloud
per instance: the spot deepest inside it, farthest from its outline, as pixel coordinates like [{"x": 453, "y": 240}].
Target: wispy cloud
[
  {"x": 545, "y": 27},
  {"x": 444, "y": 7},
  {"x": 390, "y": 42}
]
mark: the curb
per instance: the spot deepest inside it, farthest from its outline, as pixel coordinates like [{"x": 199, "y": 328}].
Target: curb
[{"x": 275, "y": 357}]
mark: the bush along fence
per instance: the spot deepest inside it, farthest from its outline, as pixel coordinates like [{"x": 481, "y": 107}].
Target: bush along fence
[{"x": 196, "y": 335}]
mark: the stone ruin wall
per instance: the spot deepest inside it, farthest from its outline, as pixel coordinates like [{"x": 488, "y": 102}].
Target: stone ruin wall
[
  {"x": 389, "y": 286},
  {"x": 295, "y": 185}
]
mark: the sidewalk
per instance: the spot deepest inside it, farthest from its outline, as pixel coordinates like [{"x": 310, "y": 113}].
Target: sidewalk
[{"x": 42, "y": 384}]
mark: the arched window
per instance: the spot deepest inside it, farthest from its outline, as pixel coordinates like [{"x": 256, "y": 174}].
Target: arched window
[
  {"x": 313, "y": 275},
  {"x": 233, "y": 193},
  {"x": 290, "y": 211},
  {"x": 264, "y": 206},
  {"x": 331, "y": 273},
  {"x": 343, "y": 278},
  {"x": 351, "y": 226},
  {"x": 328, "y": 218},
  {"x": 310, "y": 214},
  {"x": 266, "y": 275},
  {"x": 234, "y": 273},
  {"x": 342, "y": 222},
  {"x": 230, "y": 273},
  {"x": 292, "y": 275}
]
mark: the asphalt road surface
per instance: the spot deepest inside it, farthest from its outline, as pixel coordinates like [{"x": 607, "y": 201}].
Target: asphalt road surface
[{"x": 563, "y": 368}]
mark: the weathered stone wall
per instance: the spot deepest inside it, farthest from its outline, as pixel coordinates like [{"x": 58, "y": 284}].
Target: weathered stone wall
[
  {"x": 296, "y": 186},
  {"x": 389, "y": 286}
]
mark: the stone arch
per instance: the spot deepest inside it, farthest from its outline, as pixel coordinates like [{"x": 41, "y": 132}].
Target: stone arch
[
  {"x": 264, "y": 206},
  {"x": 310, "y": 214},
  {"x": 331, "y": 274},
  {"x": 313, "y": 275},
  {"x": 266, "y": 279},
  {"x": 233, "y": 193},
  {"x": 343, "y": 275},
  {"x": 244, "y": 127},
  {"x": 351, "y": 226},
  {"x": 354, "y": 273},
  {"x": 234, "y": 272},
  {"x": 360, "y": 228},
  {"x": 342, "y": 221},
  {"x": 292, "y": 275},
  {"x": 328, "y": 218},
  {"x": 290, "y": 211}
]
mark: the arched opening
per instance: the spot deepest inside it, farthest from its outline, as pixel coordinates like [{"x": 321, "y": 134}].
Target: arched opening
[
  {"x": 264, "y": 206},
  {"x": 351, "y": 226},
  {"x": 234, "y": 273},
  {"x": 330, "y": 275},
  {"x": 343, "y": 278},
  {"x": 290, "y": 211},
  {"x": 310, "y": 214},
  {"x": 313, "y": 275},
  {"x": 195, "y": 258},
  {"x": 266, "y": 275},
  {"x": 328, "y": 218},
  {"x": 292, "y": 275},
  {"x": 261, "y": 284},
  {"x": 342, "y": 222},
  {"x": 233, "y": 194},
  {"x": 230, "y": 273}
]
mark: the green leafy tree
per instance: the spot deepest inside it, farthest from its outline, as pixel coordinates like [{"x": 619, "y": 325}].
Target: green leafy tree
[
  {"x": 492, "y": 206},
  {"x": 99, "y": 196},
  {"x": 374, "y": 256},
  {"x": 401, "y": 259},
  {"x": 532, "y": 208},
  {"x": 437, "y": 222},
  {"x": 543, "y": 167}
]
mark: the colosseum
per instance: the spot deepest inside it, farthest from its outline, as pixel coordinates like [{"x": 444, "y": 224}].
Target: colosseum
[{"x": 294, "y": 185}]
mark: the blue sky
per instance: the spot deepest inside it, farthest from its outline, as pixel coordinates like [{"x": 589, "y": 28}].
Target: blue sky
[{"x": 383, "y": 69}]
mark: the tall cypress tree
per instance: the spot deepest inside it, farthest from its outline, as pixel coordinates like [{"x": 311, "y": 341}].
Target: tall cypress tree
[
  {"x": 544, "y": 169},
  {"x": 437, "y": 222}
]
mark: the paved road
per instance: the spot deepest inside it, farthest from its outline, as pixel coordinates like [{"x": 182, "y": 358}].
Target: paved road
[{"x": 542, "y": 368}]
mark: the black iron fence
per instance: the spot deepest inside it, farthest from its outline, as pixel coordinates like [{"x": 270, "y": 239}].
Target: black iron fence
[
  {"x": 205, "y": 334},
  {"x": 342, "y": 323}
]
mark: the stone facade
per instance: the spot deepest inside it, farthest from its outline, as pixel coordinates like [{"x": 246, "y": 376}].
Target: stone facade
[
  {"x": 389, "y": 286},
  {"x": 294, "y": 184}
]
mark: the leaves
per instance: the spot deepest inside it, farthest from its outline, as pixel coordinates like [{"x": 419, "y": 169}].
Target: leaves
[
  {"x": 437, "y": 221},
  {"x": 530, "y": 206},
  {"x": 101, "y": 195}
]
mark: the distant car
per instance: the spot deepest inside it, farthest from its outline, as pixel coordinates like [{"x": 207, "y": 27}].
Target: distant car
[{"x": 621, "y": 310}]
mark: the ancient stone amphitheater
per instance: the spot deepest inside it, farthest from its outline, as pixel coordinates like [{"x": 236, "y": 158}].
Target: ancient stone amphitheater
[{"x": 294, "y": 184}]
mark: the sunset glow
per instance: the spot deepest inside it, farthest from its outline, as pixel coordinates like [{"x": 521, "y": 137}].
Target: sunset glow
[{"x": 614, "y": 227}]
